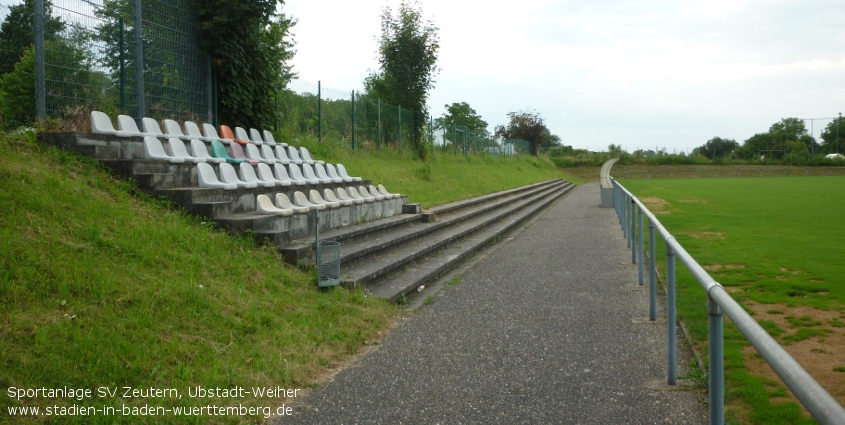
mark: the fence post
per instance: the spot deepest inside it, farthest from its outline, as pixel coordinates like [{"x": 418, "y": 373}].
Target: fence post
[
  {"x": 319, "y": 112},
  {"x": 633, "y": 231},
  {"x": 139, "y": 63},
  {"x": 652, "y": 287},
  {"x": 40, "y": 92},
  {"x": 641, "y": 247},
  {"x": 123, "y": 71},
  {"x": 378, "y": 141},
  {"x": 671, "y": 330},
  {"x": 353, "y": 120},
  {"x": 400, "y": 129},
  {"x": 716, "y": 379},
  {"x": 626, "y": 227}
]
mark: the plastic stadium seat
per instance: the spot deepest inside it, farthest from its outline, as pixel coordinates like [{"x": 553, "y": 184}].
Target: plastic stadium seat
[
  {"x": 228, "y": 175},
  {"x": 226, "y": 132},
  {"x": 211, "y": 133},
  {"x": 219, "y": 151},
  {"x": 207, "y": 178},
  {"x": 265, "y": 206},
  {"x": 240, "y": 133},
  {"x": 300, "y": 200},
  {"x": 238, "y": 152},
  {"x": 344, "y": 196},
  {"x": 247, "y": 174},
  {"x": 252, "y": 152},
  {"x": 154, "y": 150},
  {"x": 266, "y": 173},
  {"x": 341, "y": 170},
  {"x": 151, "y": 128},
  {"x": 297, "y": 176},
  {"x": 355, "y": 195},
  {"x": 316, "y": 199},
  {"x": 308, "y": 172},
  {"x": 364, "y": 192},
  {"x": 330, "y": 170},
  {"x": 101, "y": 123},
  {"x": 328, "y": 195},
  {"x": 281, "y": 174},
  {"x": 306, "y": 156},
  {"x": 127, "y": 125},
  {"x": 199, "y": 150},
  {"x": 268, "y": 137},
  {"x": 293, "y": 154},
  {"x": 282, "y": 201},
  {"x": 282, "y": 155},
  {"x": 192, "y": 130},
  {"x": 322, "y": 175},
  {"x": 177, "y": 149},
  {"x": 267, "y": 153},
  {"x": 174, "y": 130},
  {"x": 381, "y": 189},
  {"x": 256, "y": 135}
]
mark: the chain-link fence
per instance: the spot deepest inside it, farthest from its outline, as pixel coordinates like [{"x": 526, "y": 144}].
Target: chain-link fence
[
  {"x": 100, "y": 54},
  {"x": 365, "y": 123}
]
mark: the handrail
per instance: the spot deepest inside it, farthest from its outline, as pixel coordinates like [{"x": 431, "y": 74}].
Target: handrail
[{"x": 821, "y": 405}]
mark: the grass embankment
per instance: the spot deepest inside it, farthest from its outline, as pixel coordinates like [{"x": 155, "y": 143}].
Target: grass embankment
[
  {"x": 776, "y": 245},
  {"x": 442, "y": 178},
  {"x": 101, "y": 286}
]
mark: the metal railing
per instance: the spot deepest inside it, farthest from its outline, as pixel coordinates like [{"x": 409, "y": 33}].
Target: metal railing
[{"x": 824, "y": 408}]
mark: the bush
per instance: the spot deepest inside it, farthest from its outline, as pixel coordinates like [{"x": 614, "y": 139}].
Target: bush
[{"x": 17, "y": 93}]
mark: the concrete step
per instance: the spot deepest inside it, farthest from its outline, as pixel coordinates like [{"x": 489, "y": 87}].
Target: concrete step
[
  {"x": 469, "y": 203},
  {"x": 390, "y": 275},
  {"x": 361, "y": 250}
]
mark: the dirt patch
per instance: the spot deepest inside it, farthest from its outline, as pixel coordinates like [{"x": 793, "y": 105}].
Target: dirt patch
[
  {"x": 818, "y": 355},
  {"x": 717, "y": 267},
  {"x": 694, "y": 201},
  {"x": 656, "y": 205},
  {"x": 706, "y": 236},
  {"x": 786, "y": 270}
]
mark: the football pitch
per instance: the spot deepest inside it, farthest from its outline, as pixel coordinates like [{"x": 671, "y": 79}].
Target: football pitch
[{"x": 778, "y": 246}]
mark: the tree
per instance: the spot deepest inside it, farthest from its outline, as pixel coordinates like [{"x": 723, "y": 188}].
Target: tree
[
  {"x": 833, "y": 135},
  {"x": 527, "y": 126},
  {"x": 408, "y": 49},
  {"x": 250, "y": 48},
  {"x": 17, "y": 32},
  {"x": 461, "y": 114},
  {"x": 551, "y": 141},
  {"x": 717, "y": 147}
]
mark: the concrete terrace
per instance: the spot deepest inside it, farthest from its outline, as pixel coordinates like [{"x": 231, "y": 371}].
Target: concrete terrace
[{"x": 550, "y": 327}]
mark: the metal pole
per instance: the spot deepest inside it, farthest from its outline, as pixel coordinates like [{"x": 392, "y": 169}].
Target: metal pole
[
  {"x": 122, "y": 70},
  {"x": 378, "y": 141},
  {"x": 139, "y": 63},
  {"x": 319, "y": 113},
  {"x": 671, "y": 330},
  {"x": 40, "y": 91},
  {"x": 652, "y": 268},
  {"x": 400, "y": 129},
  {"x": 641, "y": 247},
  {"x": 633, "y": 232},
  {"x": 716, "y": 356},
  {"x": 353, "y": 120}
]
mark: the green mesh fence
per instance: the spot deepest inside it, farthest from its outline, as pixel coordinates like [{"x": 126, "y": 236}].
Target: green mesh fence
[
  {"x": 458, "y": 140},
  {"x": 92, "y": 63}
]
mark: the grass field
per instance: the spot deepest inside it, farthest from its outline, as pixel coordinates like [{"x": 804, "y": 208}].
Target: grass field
[
  {"x": 777, "y": 245},
  {"x": 102, "y": 286}
]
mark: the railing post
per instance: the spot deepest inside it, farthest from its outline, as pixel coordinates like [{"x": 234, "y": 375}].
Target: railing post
[
  {"x": 716, "y": 380},
  {"x": 641, "y": 247},
  {"x": 671, "y": 323},
  {"x": 652, "y": 281},
  {"x": 633, "y": 232},
  {"x": 627, "y": 225}
]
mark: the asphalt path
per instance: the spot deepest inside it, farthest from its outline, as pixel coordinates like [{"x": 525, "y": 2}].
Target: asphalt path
[{"x": 549, "y": 328}]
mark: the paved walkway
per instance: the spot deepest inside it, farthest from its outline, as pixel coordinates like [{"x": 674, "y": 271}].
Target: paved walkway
[{"x": 548, "y": 329}]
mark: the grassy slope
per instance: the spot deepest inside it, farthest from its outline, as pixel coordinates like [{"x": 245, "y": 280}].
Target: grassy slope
[
  {"x": 783, "y": 235},
  {"x": 101, "y": 286}
]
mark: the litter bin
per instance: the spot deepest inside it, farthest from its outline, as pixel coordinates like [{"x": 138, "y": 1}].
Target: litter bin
[{"x": 328, "y": 263}]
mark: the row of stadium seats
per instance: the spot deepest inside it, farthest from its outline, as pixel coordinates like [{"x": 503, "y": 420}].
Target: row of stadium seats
[{"x": 284, "y": 206}]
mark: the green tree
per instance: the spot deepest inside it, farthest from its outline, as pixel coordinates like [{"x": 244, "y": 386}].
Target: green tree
[
  {"x": 461, "y": 114},
  {"x": 250, "y": 47},
  {"x": 551, "y": 141},
  {"x": 717, "y": 147},
  {"x": 527, "y": 126},
  {"x": 17, "y": 93},
  {"x": 408, "y": 49},
  {"x": 833, "y": 136},
  {"x": 17, "y": 32}
]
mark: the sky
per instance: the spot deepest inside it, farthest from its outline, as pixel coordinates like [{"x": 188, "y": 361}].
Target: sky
[{"x": 643, "y": 74}]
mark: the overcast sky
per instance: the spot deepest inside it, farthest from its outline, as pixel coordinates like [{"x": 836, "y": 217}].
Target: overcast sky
[{"x": 643, "y": 74}]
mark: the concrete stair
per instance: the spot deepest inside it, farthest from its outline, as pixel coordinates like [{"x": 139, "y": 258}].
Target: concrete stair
[{"x": 393, "y": 257}]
